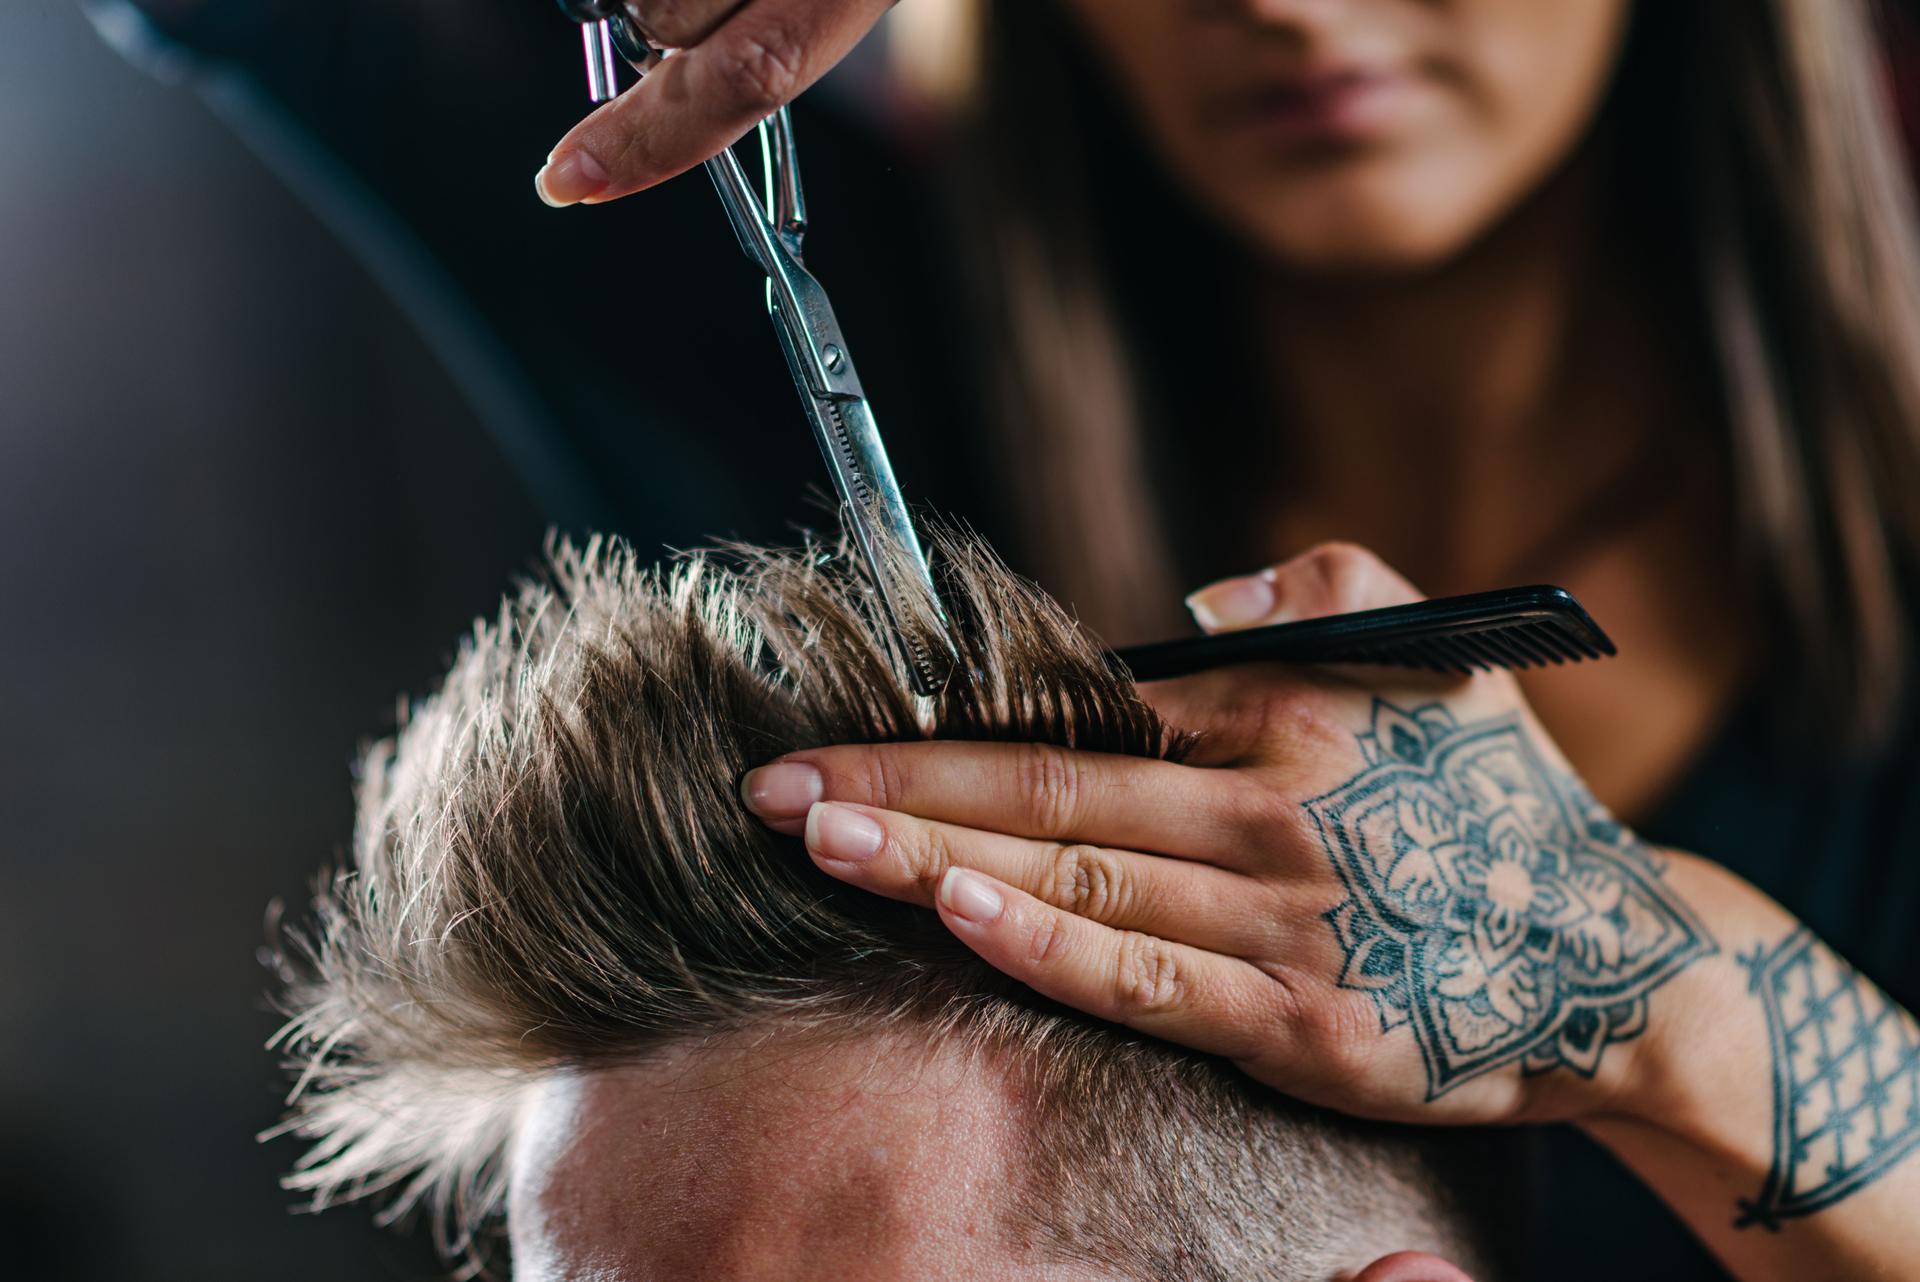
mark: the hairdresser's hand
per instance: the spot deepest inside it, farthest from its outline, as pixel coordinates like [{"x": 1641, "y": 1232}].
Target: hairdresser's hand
[
  {"x": 738, "y": 61},
  {"x": 1391, "y": 896},
  {"x": 1383, "y": 892}
]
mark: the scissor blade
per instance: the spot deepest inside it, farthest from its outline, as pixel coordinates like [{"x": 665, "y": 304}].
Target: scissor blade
[
  {"x": 842, "y": 421},
  {"x": 883, "y": 529}
]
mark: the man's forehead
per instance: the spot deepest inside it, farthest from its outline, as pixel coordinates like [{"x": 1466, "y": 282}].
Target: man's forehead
[{"x": 774, "y": 1157}]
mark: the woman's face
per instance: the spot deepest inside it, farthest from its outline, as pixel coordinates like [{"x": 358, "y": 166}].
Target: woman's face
[{"x": 1360, "y": 135}]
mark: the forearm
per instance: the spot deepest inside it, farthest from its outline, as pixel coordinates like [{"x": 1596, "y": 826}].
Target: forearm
[{"x": 1775, "y": 1105}]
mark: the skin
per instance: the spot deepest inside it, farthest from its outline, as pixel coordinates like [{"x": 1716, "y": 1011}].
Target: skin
[
  {"x": 689, "y": 1167},
  {"x": 1191, "y": 901},
  {"x": 1460, "y": 346},
  {"x": 737, "y": 63},
  {"x": 1464, "y": 108},
  {"x": 1463, "y": 348},
  {"x": 1457, "y": 370}
]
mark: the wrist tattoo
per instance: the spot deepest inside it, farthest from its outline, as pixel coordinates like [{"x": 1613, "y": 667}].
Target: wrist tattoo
[
  {"x": 1493, "y": 904},
  {"x": 1846, "y": 1079}
]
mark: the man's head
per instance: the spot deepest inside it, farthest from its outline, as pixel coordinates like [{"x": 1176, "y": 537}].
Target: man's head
[{"x": 571, "y": 976}]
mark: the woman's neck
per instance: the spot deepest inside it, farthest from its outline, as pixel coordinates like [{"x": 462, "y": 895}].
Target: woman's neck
[{"x": 1453, "y": 419}]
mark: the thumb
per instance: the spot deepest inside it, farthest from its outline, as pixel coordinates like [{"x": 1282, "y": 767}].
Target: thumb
[{"x": 1331, "y": 578}]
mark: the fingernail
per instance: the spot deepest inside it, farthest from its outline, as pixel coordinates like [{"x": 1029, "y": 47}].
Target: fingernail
[
  {"x": 970, "y": 896},
  {"x": 834, "y": 832},
  {"x": 569, "y": 180},
  {"x": 1232, "y": 603},
  {"x": 783, "y": 790}
]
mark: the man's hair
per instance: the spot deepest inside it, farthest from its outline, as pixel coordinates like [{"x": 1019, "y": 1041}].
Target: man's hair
[{"x": 552, "y": 868}]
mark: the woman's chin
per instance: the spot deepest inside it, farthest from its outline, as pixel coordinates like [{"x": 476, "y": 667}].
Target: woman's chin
[
  {"x": 1358, "y": 250},
  {"x": 1378, "y": 224}
]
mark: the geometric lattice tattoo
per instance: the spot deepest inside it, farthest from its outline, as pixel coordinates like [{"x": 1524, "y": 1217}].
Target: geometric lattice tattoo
[
  {"x": 1846, "y": 1079},
  {"x": 1492, "y": 904}
]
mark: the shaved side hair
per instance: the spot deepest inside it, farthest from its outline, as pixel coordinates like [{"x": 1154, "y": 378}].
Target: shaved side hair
[{"x": 552, "y": 870}]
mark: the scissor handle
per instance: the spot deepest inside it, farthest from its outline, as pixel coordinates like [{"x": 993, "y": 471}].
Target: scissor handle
[
  {"x": 795, "y": 297},
  {"x": 786, "y": 202}
]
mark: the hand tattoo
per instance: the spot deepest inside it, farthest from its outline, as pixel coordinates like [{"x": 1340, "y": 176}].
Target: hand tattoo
[
  {"x": 1491, "y": 902},
  {"x": 1846, "y": 1079}
]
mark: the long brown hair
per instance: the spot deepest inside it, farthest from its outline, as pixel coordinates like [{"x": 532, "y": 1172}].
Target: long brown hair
[{"x": 1763, "y": 134}]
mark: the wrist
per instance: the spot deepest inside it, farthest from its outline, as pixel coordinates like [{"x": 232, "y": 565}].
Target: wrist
[
  {"x": 1691, "y": 1075},
  {"x": 1765, "y": 1094}
]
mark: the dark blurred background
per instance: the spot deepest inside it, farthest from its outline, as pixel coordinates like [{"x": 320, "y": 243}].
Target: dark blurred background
[
  {"x": 268, "y": 444},
  {"x": 244, "y": 508}
]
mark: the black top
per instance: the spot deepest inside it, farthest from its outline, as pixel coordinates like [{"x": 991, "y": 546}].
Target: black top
[
  {"x": 626, "y": 368},
  {"x": 1839, "y": 846}
]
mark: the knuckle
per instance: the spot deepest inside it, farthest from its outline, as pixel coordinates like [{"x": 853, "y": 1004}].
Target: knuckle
[
  {"x": 1268, "y": 914},
  {"x": 1356, "y": 578},
  {"x": 623, "y": 147},
  {"x": 669, "y": 23},
  {"x": 1344, "y": 557},
  {"x": 1332, "y": 1036},
  {"x": 1343, "y": 571},
  {"x": 878, "y": 779},
  {"x": 762, "y": 71},
  {"x": 1254, "y": 812},
  {"x": 1331, "y": 1027},
  {"x": 1052, "y": 786},
  {"x": 1047, "y": 944},
  {"x": 1148, "y": 979},
  {"x": 925, "y": 859},
  {"x": 1089, "y": 882},
  {"x": 1306, "y": 583}
]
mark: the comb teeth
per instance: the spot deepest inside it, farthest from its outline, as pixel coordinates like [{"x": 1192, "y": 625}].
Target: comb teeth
[
  {"x": 1579, "y": 647},
  {"x": 1484, "y": 656},
  {"x": 1511, "y": 656},
  {"x": 1452, "y": 654},
  {"x": 1511, "y": 628},
  {"x": 1523, "y": 639},
  {"x": 1486, "y": 647},
  {"x": 1510, "y": 645},
  {"x": 1555, "y": 643}
]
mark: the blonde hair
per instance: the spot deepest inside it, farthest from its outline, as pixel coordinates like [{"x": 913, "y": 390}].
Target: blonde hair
[{"x": 552, "y": 869}]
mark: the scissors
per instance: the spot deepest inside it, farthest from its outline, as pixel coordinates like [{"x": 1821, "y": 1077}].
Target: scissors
[
  {"x": 1510, "y": 628},
  {"x": 771, "y": 229}
]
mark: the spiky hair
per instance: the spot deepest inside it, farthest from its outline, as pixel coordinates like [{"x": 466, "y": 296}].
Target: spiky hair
[{"x": 551, "y": 869}]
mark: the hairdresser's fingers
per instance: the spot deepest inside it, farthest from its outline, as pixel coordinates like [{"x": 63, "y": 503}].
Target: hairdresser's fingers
[
  {"x": 1217, "y": 1005},
  {"x": 1259, "y": 710},
  {"x": 904, "y": 857},
  {"x": 1030, "y": 790},
  {"x": 679, "y": 24},
  {"x": 1294, "y": 725},
  {"x": 701, "y": 99},
  {"x": 1331, "y": 578}
]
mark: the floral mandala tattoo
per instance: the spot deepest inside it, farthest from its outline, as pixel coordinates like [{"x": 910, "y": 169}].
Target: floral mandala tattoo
[{"x": 1492, "y": 904}]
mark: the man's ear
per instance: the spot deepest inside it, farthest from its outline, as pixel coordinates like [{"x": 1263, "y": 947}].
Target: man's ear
[{"x": 1410, "y": 1266}]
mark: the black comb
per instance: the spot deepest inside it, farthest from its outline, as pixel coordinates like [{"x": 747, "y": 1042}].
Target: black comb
[{"x": 1510, "y": 628}]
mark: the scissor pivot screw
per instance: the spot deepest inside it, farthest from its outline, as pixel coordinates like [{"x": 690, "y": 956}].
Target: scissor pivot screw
[{"x": 834, "y": 358}]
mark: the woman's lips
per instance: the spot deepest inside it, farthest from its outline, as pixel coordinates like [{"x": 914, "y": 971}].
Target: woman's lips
[{"x": 1332, "y": 108}]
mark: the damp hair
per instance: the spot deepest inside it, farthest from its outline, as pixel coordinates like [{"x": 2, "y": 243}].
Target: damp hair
[{"x": 551, "y": 870}]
